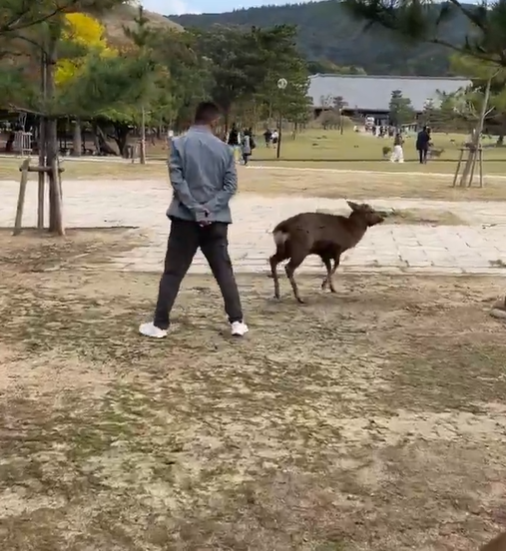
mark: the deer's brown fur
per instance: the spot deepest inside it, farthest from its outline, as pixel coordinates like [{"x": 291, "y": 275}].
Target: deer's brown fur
[
  {"x": 326, "y": 235},
  {"x": 497, "y": 544}
]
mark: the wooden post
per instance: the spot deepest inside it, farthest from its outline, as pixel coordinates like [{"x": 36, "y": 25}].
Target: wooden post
[
  {"x": 54, "y": 184},
  {"x": 473, "y": 166},
  {"x": 476, "y": 139},
  {"x": 455, "y": 178},
  {"x": 480, "y": 159},
  {"x": 21, "y": 197}
]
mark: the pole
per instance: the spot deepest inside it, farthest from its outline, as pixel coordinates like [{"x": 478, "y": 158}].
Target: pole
[
  {"x": 280, "y": 124},
  {"x": 282, "y": 84}
]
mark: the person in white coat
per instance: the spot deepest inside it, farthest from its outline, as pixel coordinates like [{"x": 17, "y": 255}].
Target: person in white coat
[{"x": 398, "y": 153}]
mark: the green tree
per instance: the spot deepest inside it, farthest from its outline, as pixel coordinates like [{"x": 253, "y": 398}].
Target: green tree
[
  {"x": 419, "y": 21},
  {"x": 245, "y": 66},
  {"x": 400, "y": 108},
  {"x": 185, "y": 77},
  {"x": 277, "y": 48},
  {"x": 339, "y": 104},
  {"x": 141, "y": 36},
  {"x": 231, "y": 57},
  {"x": 429, "y": 113},
  {"x": 19, "y": 15},
  {"x": 103, "y": 81}
]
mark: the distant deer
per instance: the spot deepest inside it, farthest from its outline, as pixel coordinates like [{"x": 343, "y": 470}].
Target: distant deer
[{"x": 435, "y": 153}]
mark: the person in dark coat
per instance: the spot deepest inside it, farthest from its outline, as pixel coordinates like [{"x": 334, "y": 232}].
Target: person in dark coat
[{"x": 423, "y": 143}]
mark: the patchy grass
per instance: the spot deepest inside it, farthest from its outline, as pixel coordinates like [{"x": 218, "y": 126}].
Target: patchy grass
[
  {"x": 35, "y": 251},
  {"x": 424, "y": 217},
  {"x": 289, "y": 180},
  {"x": 335, "y": 184},
  {"x": 365, "y": 420},
  {"x": 91, "y": 169},
  {"x": 430, "y": 217}
]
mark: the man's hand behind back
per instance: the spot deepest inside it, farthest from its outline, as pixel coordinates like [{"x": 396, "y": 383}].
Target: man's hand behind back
[{"x": 202, "y": 217}]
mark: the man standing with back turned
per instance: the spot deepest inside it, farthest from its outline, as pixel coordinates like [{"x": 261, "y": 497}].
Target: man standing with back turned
[{"x": 204, "y": 179}]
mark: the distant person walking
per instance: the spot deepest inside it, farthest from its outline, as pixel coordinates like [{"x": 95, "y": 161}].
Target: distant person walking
[
  {"x": 268, "y": 137},
  {"x": 398, "y": 152},
  {"x": 423, "y": 143},
  {"x": 234, "y": 141},
  {"x": 247, "y": 146},
  {"x": 203, "y": 176}
]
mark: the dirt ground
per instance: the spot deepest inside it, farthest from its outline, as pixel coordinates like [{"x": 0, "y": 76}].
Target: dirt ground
[{"x": 372, "y": 419}]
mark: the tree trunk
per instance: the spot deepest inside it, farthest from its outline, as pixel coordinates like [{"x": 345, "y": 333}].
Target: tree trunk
[
  {"x": 101, "y": 145},
  {"x": 42, "y": 162},
  {"x": 121, "y": 132},
  {"x": 55, "y": 223},
  {"x": 77, "y": 146},
  {"x": 41, "y": 140},
  {"x": 142, "y": 155},
  {"x": 467, "y": 175}
]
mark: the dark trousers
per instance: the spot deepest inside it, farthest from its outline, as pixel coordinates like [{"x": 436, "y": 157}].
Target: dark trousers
[
  {"x": 185, "y": 238},
  {"x": 422, "y": 154},
  {"x": 245, "y": 158}
]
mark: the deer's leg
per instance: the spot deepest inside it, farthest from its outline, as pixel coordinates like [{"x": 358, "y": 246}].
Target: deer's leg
[
  {"x": 337, "y": 259},
  {"x": 329, "y": 280},
  {"x": 274, "y": 260},
  {"x": 328, "y": 266},
  {"x": 295, "y": 261}
]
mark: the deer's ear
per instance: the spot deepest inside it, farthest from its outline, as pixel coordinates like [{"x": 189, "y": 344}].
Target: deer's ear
[{"x": 353, "y": 206}]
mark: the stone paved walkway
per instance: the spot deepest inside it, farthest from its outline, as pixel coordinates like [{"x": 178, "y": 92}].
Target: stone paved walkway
[{"x": 477, "y": 248}]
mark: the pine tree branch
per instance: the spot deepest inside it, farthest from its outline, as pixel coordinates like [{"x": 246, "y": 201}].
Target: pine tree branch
[{"x": 17, "y": 24}]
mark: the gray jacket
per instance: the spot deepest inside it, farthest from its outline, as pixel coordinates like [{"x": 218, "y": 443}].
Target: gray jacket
[{"x": 203, "y": 176}]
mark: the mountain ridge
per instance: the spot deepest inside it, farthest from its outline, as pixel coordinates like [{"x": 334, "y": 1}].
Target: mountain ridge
[{"x": 329, "y": 36}]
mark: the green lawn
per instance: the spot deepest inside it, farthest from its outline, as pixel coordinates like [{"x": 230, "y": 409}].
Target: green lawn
[
  {"x": 310, "y": 149},
  {"x": 330, "y": 145}
]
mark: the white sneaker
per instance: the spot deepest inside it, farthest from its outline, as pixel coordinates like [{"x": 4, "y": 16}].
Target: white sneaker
[
  {"x": 151, "y": 330},
  {"x": 239, "y": 329}
]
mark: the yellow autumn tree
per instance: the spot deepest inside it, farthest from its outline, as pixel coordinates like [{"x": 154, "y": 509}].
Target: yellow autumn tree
[
  {"x": 86, "y": 32},
  {"x": 88, "y": 36}
]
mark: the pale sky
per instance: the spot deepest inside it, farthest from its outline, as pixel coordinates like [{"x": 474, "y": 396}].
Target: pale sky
[{"x": 178, "y": 7}]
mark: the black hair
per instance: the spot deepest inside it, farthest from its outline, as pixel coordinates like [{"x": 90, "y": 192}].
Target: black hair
[{"x": 206, "y": 112}]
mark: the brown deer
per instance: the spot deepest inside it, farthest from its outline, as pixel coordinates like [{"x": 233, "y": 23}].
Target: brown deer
[{"x": 326, "y": 235}]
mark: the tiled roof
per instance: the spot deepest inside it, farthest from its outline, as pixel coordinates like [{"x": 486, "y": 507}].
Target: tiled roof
[{"x": 373, "y": 93}]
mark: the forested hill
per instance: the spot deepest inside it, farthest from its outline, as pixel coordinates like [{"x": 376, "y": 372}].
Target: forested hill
[{"x": 328, "y": 34}]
